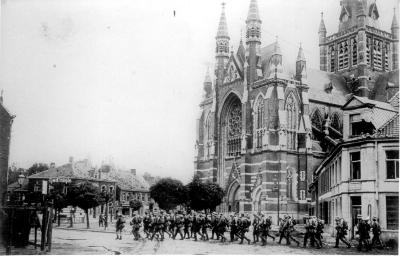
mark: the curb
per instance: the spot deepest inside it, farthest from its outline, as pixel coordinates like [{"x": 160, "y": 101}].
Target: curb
[{"x": 84, "y": 229}]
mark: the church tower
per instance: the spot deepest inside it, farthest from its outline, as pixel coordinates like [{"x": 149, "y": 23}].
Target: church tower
[
  {"x": 222, "y": 47},
  {"x": 253, "y": 41},
  {"x": 360, "y": 51},
  {"x": 323, "y": 51},
  {"x": 395, "y": 45}
]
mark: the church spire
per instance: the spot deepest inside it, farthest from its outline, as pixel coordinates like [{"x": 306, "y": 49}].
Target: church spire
[
  {"x": 301, "y": 72},
  {"x": 253, "y": 14},
  {"x": 300, "y": 55},
  {"x": 222, "y": 27},
  {"x": 322, "y": 28},
  {"x": 222, "y": 46},
  {"x": 253, "y": 42},
  {"x": 395, "y": 24},
  {"x": 207, "y": 85}
]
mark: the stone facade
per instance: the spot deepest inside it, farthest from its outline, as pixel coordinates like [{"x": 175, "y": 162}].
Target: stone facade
[
  {"x": 265, "y": 125},
  {"x": 6, "y": 120}
]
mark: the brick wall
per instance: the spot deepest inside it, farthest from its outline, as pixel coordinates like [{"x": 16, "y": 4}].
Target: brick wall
[{"x": 5, "y": 127}]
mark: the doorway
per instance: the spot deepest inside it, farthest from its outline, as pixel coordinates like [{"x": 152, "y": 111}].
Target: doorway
[{"x": 355, "y": 211}]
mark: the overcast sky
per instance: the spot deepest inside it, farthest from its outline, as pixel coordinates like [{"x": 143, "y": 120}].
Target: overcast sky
[{"x": 123, "y": 78}]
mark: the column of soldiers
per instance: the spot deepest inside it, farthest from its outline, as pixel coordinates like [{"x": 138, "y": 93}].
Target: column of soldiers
[{"x": 196, "y": 226}]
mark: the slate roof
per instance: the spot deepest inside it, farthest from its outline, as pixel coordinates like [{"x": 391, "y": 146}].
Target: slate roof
[
  {"x": 75, "y": 170},
  {"x": 379, "y": 113}
]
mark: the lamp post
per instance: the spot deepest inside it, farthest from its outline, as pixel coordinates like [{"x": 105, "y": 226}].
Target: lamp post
[{"x": 21, "y": 179}]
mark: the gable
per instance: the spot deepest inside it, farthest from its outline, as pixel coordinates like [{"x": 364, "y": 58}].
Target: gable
[
  {"x": 373, "y": 11},
  {"x": 344, "y": 14},
  {"x": 232, "y": 72}
]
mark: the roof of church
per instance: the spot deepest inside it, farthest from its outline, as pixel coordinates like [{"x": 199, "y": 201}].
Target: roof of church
[{"x": 319, "y": 82}]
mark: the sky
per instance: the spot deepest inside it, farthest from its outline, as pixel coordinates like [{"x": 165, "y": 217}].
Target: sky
[{"x": 122, "y": 80}]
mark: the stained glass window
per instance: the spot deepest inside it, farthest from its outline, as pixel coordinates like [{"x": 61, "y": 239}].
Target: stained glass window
[
  {"x": 291, "y": 110},
  {"x": 234, "y": 122},
  {"x": 259, "y": 125}
]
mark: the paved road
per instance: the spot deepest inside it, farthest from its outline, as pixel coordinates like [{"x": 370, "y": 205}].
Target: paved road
[{"x": 88, "y": 242}]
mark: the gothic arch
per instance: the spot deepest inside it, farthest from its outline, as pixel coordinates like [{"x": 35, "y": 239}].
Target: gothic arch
[
  {"x": 231, "y": 125},
  {"x": 208, "y": 134},
  {"x": 256, "y": 198},
  {"x": 233, "y": 196},
  {"x": 317, "y": 123},
  {"x": 336, "y": 122},
  {"x": 292, "y": 118},
  {"x": 259, "y": 120}
]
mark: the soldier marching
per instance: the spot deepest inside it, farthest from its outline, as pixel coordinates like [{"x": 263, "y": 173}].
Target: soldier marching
[{"x": 195, "y": 225}]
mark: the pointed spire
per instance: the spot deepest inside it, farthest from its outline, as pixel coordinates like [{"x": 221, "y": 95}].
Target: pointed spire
[
  {"x": 300, "y": 55},
  {"x": 253, "y": 14},
  {"x": 395, "y": 24},
  {"x": 222, "y": 27},
  {"x": 207, "y": 79},
  {"x": 322, "y": 27},
  {"x": 277, "y": 48}
]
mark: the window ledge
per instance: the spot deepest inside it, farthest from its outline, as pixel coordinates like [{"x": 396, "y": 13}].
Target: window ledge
[{"x": 392, "y": 180}]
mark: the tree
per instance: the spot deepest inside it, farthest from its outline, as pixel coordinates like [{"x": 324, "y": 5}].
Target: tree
[
  {"x": 135, "y": 204},
  {"x": 168, "y": 193},
  {"x": 203, "y": 196},
  {"x": 59, "y": 199},
  {"x": 85, "y": 196},
  {"x": 37, "y": 167}
]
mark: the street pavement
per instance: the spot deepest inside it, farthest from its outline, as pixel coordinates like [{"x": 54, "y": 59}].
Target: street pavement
[{"x": 82, "y": 242}]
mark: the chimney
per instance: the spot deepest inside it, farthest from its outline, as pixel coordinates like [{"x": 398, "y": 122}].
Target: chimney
[
  {"x": 52, "y": 165},
  {"x": 71, "y": 160}
]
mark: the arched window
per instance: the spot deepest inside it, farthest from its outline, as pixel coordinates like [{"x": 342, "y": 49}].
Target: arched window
[
  {"x": 317, "y": 124},
  {"x": 208, "y": 136},
  {"x": 335, "y": 123},
  {"x": 259, "y": 122},
  {"x": 234, "y": 128},
  {"x": 292, "y": 114}
]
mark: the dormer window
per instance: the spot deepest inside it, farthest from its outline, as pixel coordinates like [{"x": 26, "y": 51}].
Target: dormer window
[{"x": 358, "y": 126}]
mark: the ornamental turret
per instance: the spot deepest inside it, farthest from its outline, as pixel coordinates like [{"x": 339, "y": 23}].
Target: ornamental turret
[
  {"x": 222, "y": 46},
  {"x": 253, "y": 41}
]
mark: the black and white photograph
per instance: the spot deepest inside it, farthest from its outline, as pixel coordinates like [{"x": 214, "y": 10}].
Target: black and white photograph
[{"x": 188, "y": 127}]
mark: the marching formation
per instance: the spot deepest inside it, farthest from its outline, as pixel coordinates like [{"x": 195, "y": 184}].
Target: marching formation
[{"x": 197, "y": 226}]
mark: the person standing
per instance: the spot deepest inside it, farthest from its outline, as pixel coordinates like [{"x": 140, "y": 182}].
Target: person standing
[
  {"x": 179, "y": 222},
  {"x": 187, "y": 223},
  {"x": 119, "y": 226},
  {"x": 101, "y": 220}
]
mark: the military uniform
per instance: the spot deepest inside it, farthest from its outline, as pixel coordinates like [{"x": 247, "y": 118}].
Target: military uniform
[
  {"x": 290, "y": 229},
  {"x": 363, "y": 232},
  {"x": 179, "y": 223},
  {"x": 341, "y": 232},
  {"x": 376, "y": 232},
  {"x": 136, "y": 223},
  {"x": 146, "y": 224},
  {"x": 256, "y": 228},
  {"x": 243, "y": 226},
  {"x": 318, "y": 232},
  {"x": 233, "y": 228},
  {"x": 119, "y": 226},
  {"x": 187, "y": 225}
]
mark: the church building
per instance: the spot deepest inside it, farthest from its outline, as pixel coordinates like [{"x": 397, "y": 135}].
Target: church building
[{"x": 265, "y": 126}]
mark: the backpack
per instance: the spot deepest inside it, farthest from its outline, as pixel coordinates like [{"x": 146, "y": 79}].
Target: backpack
[{"x": 345, "y": 226}]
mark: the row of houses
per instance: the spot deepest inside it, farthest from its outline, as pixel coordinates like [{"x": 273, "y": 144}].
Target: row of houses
[{"x": 121, "y": 186}]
